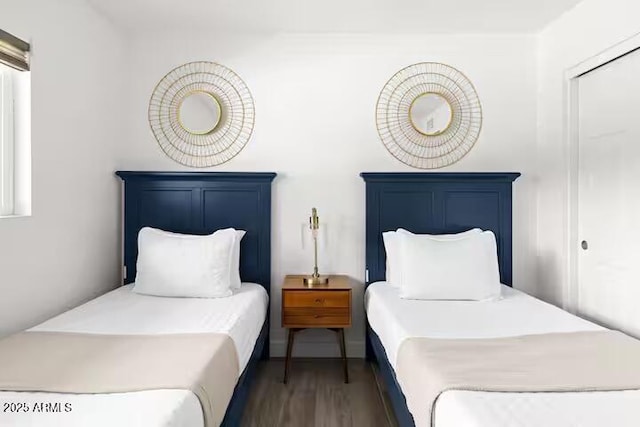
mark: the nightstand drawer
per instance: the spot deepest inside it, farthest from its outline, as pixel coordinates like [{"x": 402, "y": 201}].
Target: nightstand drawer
[
  {"x": 308, "y": 299},
  {"x": 309, "y": 317}
]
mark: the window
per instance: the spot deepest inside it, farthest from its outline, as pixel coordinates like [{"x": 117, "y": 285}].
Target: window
[
  {"x": 7, "y": 158},
  {"x": 14, "y": 124}
]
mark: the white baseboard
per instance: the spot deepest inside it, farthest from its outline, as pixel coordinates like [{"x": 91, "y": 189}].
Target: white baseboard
[{"x": 317, "y": 349}]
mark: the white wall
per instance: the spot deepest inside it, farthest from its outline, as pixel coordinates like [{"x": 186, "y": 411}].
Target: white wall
[
  {"x": 68, "y": 250},
  {"x": 590, "y": 28},
  {"x": 315, "y": 98}
]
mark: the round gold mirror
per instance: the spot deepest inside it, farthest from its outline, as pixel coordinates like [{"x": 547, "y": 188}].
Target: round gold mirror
[
  {"x": 199, "y": 113},
  {"x": 430, "y": 114},
  {"x": 202, "y": 114}
]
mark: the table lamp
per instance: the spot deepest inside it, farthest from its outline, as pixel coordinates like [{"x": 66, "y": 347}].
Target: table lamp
[{"x": 315, "y": 279}]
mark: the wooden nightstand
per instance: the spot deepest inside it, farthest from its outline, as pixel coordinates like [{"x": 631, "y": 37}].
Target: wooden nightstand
[{"x": 325, "y": 306}]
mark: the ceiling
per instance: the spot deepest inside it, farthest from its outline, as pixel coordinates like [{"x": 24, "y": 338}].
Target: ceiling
[{"x": 345, "y": 16}]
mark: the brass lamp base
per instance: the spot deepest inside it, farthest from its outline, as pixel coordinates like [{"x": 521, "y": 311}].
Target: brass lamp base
[{"x": 315, "y": 280}]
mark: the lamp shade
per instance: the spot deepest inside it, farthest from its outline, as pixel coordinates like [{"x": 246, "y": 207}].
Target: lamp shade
[{"x": 306, "y": 236}]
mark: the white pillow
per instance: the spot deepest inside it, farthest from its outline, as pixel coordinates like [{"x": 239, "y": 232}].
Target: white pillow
[
  {"x": 392, "y": 248},
  {"x": 465, "y": 268},
  {"x": 235, "y": 261},
  {"x": 182, "y": 265}
]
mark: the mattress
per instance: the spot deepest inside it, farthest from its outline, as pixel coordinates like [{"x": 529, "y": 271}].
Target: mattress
[
  {"x": 122, "y": 311},
  {"x": 516, "y": 313}
]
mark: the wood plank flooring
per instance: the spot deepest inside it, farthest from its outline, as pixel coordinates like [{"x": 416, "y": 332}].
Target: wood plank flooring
[{"x": 316, "y": 396}]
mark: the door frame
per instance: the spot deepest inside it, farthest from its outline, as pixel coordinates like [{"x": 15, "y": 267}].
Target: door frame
[{"x": 571, "y": 76}]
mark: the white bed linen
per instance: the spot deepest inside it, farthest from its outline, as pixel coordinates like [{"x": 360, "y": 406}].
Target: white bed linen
[
  {"x": 395, "y": 319},
  {"x": 122, "y": 311}
]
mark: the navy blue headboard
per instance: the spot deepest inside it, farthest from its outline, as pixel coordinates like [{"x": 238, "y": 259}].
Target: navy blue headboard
[
  {"x": 199, "y": 203},
  {"x": 437, "y": 203}
]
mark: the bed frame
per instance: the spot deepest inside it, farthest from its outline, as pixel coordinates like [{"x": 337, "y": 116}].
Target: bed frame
[
  {"x": 199, "y": 203},
  {"x": 434, "y": 203}
]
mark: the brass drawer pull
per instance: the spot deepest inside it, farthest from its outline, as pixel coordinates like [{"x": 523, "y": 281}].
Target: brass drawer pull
[{"x": 319, "y": 301}]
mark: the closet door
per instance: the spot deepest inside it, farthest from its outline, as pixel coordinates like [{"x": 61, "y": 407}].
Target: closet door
[{"x": 609, "y": 194}]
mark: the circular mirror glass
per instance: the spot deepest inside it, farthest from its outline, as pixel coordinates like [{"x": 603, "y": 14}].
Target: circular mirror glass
[
  {"x": 430, "y": 114},
  {"x": 199, "y": 113}
]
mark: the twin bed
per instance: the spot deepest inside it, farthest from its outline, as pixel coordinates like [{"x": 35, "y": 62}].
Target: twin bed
[
  {"x": 601, "y": 389},
  {"x": 190, "y": 203}
]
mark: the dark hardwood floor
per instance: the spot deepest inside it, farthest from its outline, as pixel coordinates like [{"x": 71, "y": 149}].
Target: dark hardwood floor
[{"x": 316, "y": 395}]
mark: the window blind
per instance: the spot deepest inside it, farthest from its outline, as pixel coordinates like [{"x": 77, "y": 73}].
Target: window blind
[{"x": 14, "y": 52}]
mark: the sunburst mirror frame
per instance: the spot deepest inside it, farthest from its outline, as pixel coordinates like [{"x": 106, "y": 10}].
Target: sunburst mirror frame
[
  {"x": 397, "y": 131},
  {"x": 227, "y": 138}
]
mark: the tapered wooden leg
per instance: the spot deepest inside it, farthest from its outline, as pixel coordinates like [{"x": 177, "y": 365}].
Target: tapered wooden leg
[
  {"x": 287, "y": 362},
  {"x": 343, "y": 352}
]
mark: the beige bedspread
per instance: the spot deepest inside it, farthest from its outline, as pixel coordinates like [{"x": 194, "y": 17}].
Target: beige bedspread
[
  {"x": 558, "y": 362},
  {"x": 59, "y": 362}
]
